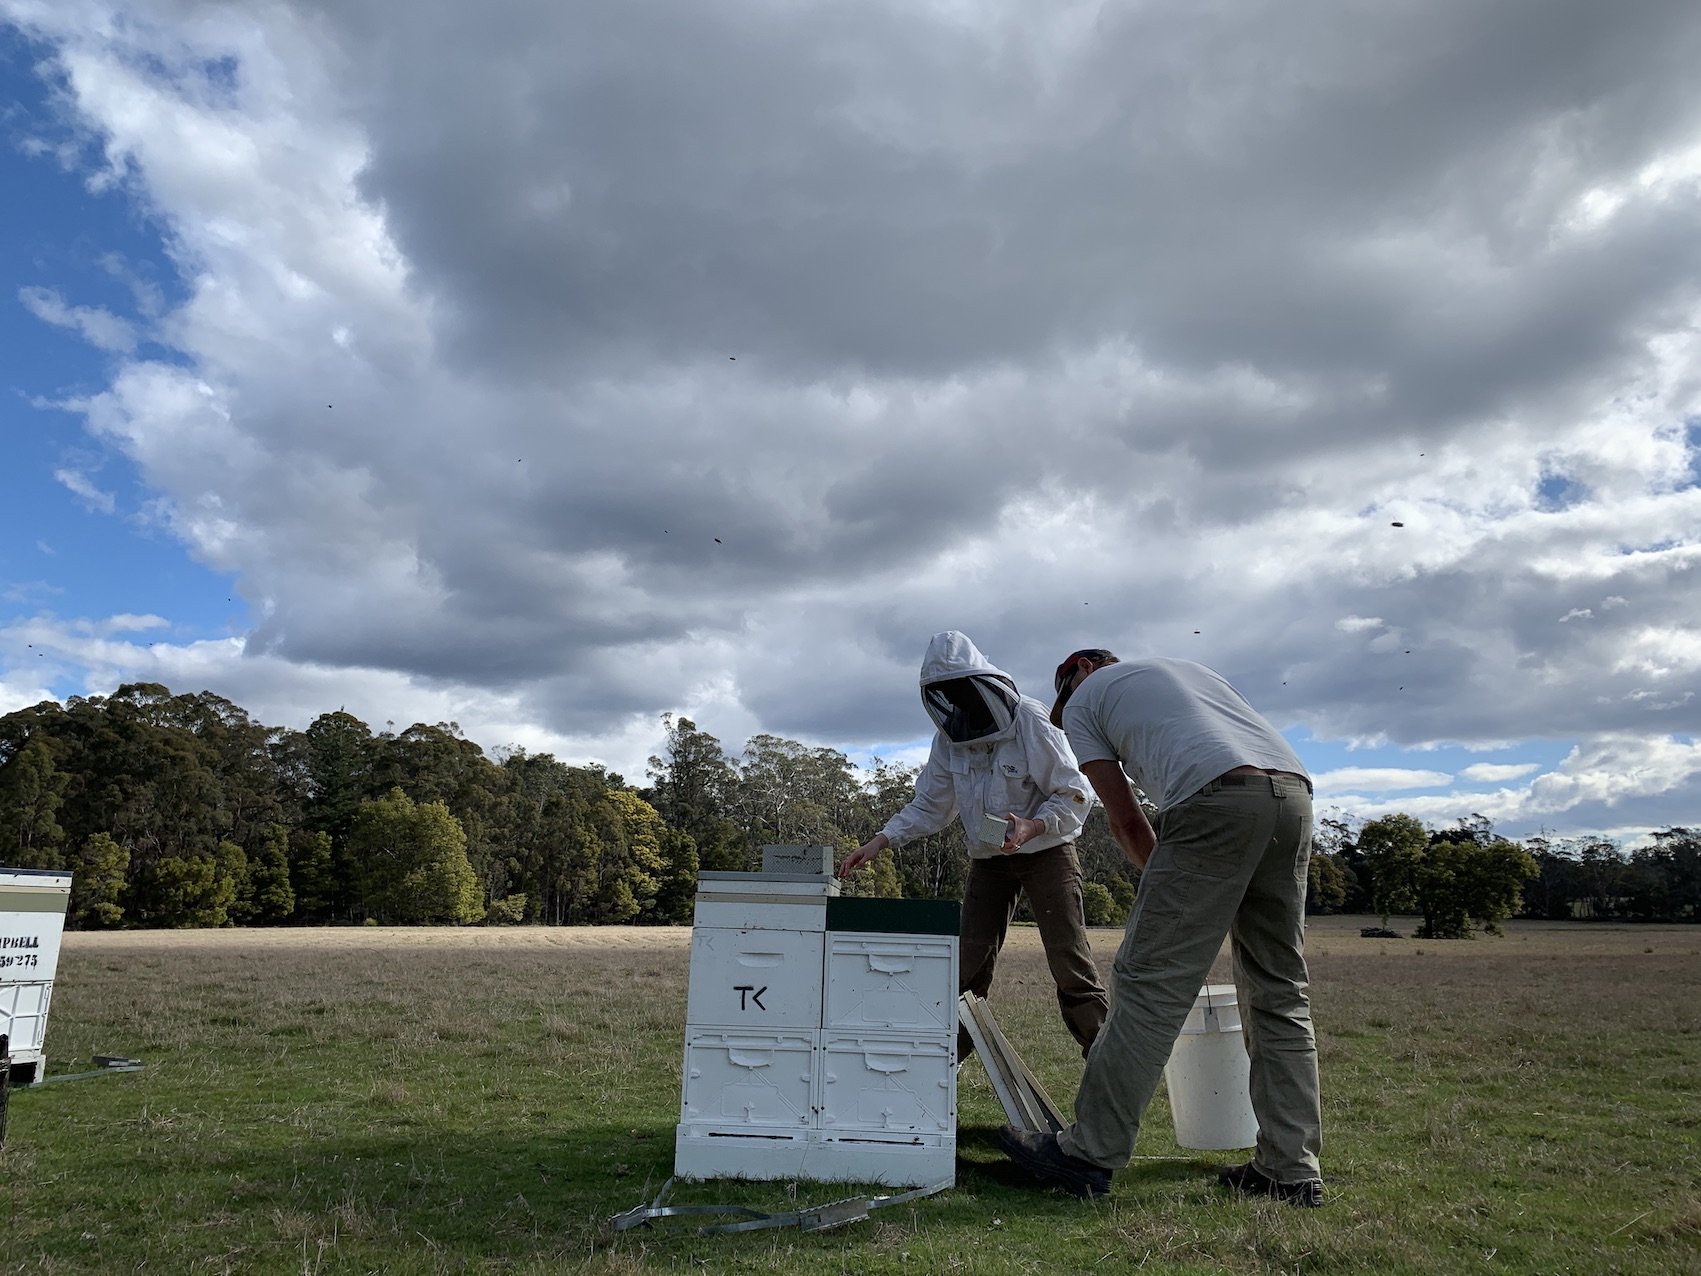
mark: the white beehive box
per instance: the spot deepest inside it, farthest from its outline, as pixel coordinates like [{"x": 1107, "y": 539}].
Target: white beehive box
[
  {"x": 820, "y": 1034},
  {"x": 32, "y": 920},
  {"x": 740, "y": 1081},
  {"x": 891, "y": 983},
  {"x": 756, "y": 980},
  {"x": 887, "y": 1085}
]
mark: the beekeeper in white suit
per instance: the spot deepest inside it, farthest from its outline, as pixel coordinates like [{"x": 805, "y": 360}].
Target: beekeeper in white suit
[{"x": 996, "y": 754}]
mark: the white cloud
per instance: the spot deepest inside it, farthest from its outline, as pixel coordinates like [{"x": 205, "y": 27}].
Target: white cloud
[
  {"x": 84, "y": 489},
  {"x": 1497, "y": 772},
  {"x": 1614, "y": 769},
  {"x": 30, "y": 592},
  {"x": 17, "y": 692},
  {"x": 122, "y": 624},
  {"x": 710, "y": 364},
  {"x": 1590, "y": 791},
  {"x": 1378, "y": 779},
  {"x": 99, "y": 327}
]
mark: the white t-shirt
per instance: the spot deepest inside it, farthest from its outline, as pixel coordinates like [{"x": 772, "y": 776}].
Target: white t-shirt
[{"x": 1173, "y": 725}]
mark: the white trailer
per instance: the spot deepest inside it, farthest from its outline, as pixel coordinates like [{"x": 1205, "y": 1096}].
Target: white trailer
[{"x": 32, "y": 919}]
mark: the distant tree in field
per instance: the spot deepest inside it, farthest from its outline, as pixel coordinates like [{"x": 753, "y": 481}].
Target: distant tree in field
[
  {"x": 147, "y": 780},
  {"x": 193, "y": 888},
  {"x": 232, "y": 871},
  {"x": 676, "y": 891},
  {"x": 878, "y": 879},
  {"x": 693, "y": 785},
  {"x": 638, "y": 871},
  {"x": 238, "y": 753},
  {"x": 31, "y": 792},
  {"x": 1601, "y": 873},
  {"x": 1439, "y": 885},
  {"x": 1098, "y": 905},
  {"x": 337, "y": 753},
  {"x": 266, "y": 896},
  {"x": 97, "y": 881},
  {"x": 793, "y": 794},
  {"x": 1677, "y": 853},
  {"x": 1450, "y": 877},
  {"x": 1663, "y": 880},
  {"x": 439, "y": 764},
  {"x": 410, "y": 863},
  {"x": 1495, "y": 873},
  {"x": 1123, "y": 892},
  {"x": 510, "y": 910},
  {"x": 1325, "y": 884},
  {"x": 933, "y": 867},
  {"x": 1549, "y": 893},
  {"x": 312, "y": 877},
  {"x": 1102, "y": 861},
  {"x": 554, "y": 820},
  {"x": 1392, "y": 847},
  {"x": 1335, "y": 838}
]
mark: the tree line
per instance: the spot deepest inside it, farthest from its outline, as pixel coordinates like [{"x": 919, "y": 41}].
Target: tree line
[
  {"x": 1465, "y": 876},
  {"x": 181, "y": 810}
]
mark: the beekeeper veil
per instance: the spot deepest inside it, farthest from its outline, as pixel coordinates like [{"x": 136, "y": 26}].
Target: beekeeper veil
[{"x": 966, "y": 695}]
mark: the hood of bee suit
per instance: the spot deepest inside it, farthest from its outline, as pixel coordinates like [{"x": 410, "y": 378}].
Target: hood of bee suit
[{"x": 967, "y": 696}]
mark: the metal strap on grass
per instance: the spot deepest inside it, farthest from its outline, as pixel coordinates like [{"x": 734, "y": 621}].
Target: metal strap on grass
[
  {"x": 105, "y": 1066},
  {"x": 817, "y": 1218}
]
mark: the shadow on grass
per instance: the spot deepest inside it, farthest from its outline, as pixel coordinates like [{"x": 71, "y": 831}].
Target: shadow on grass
[
  {"x": 445, "y": 1200},
  {"x": 440, "y": 1199},
  {"x": 979, "y": 1155}
]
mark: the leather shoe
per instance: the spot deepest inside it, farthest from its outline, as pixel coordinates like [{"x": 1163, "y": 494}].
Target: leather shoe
[
  {"x": 1307, "y": 1193},
  {"x": 1040, "y": 1156}
]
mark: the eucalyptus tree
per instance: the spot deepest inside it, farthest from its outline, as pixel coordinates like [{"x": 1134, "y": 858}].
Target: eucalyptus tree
[
  {"x": 793, "y": 793},
  {"x": 412, "y": 860},
  {"x": 694, "y": 787},
  {"x": 32, "y": 789}
]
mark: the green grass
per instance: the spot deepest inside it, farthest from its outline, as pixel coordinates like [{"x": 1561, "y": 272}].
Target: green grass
[{"x": 484, "y": 1100}]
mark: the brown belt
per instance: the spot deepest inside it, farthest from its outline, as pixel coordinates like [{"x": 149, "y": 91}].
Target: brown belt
[{"x": 1241, "y": 779}]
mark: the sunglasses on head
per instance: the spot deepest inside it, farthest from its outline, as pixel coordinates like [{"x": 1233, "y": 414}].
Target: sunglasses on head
[{"x": 1097, "y": 655}]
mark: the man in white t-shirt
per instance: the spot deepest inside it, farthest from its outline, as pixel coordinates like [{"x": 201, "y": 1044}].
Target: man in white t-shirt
[{"x": 1229, "y": 858}]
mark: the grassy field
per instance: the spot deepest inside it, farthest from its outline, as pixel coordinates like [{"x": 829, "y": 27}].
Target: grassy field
[{"x": 446, "y": 1101}]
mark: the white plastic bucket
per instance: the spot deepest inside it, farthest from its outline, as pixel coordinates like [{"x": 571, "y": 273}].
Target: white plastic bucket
[{"x": 1209, "y": 1075}]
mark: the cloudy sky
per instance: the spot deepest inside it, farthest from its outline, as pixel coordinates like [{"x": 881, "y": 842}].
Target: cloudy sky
[{"x": 549, "y": 367}]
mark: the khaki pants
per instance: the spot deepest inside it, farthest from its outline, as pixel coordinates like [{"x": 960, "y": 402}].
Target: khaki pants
[
  {"x": 1230, "y": 860},
  {"x": 1052, "y": 879}
]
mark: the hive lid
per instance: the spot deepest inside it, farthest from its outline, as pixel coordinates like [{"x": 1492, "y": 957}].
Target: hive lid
[{"x": 778, "y": 885}]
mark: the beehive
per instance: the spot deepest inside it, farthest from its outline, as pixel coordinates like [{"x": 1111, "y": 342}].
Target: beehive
[{"x": 820, "y": 1034}]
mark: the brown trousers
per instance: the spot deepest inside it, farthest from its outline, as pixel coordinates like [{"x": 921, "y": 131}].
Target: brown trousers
[{"x": 1052, "y": 879}]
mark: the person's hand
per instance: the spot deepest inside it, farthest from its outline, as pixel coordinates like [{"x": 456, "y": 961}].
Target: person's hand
[
  {"x": 864, "y": 854},
  {"x": 1019, "y": 831}
]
